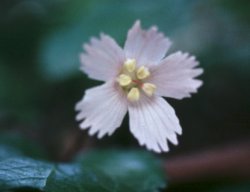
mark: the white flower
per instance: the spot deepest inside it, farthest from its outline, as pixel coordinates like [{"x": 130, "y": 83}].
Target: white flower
[{"x": 136, "y": 78}]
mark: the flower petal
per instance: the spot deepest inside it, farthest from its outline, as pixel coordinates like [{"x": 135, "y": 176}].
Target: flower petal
[
  {"x": 103, "y": 58},
  {"x": 147, "y": 47},
  {"x": 174, "y": 76},
  {"x": 102, "y": 108},
  {"x": 153, "y": 122}
]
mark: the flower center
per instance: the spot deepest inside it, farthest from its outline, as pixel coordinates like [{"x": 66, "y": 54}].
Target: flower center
[{"x": 133, "y": 80}]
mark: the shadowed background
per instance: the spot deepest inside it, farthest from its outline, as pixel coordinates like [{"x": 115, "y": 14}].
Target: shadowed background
[{"x": 40, "y": 81}]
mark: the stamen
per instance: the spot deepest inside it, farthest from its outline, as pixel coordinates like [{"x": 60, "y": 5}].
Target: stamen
[
  {"x": 132, "y": 80},
  {"x": 142, "y": 72},
  {"x": 133, "y": 94},
  {"x": 148, "y": 88},
  {"x": 130, "y": 64},
  {"x": 124, "y": 80}
]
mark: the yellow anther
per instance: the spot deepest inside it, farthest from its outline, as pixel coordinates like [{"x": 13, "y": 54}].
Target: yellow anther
[
  {"x": 124, "y": 80},
  {"x": 149, "y": 88},
  {"x": 142, "y": 72},
  {"x": 130, "y": 64},
  {"x": 133, "y": 94}
]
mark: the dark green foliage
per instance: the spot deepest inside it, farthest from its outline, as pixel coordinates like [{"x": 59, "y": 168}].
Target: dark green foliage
[{"x": 108, "y": 171}]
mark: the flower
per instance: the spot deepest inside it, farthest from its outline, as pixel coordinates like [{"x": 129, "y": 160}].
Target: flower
[{"x": 136, "y": 78}]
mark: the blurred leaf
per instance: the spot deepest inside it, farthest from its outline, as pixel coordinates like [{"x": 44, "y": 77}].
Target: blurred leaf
[
  {"x": 75, "y": 178},
  {"x": 60, "y": 57},
  {"x": 109, "y": 171},
  {"x": 18, "y": 97},
  {"x": 18, "y": 144},
  {"x": 7, "y": 152},
  {"x": 135, "y": 169}
]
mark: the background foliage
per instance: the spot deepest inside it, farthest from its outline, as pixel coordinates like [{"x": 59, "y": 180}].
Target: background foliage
[{"x": 40, "y": 42}]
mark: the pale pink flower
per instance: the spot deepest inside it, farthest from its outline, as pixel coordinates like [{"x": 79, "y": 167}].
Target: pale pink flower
[{"x": 136, "y": 78}]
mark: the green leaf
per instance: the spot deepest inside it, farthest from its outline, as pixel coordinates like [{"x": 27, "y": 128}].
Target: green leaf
[
  {"x": 134, "y": 169},
  {"x": 75, "y": 178},
  {"x": 23, "y": 172},
  {"x": 106, "y": 171}
]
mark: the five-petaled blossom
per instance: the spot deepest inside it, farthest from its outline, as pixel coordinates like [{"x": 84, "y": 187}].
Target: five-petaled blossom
[{"x": 136, "y": 78}]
